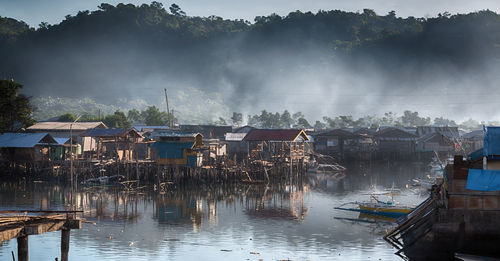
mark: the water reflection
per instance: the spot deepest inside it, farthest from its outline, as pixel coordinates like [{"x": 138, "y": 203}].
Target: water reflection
[{"x": 294, "y": 219}]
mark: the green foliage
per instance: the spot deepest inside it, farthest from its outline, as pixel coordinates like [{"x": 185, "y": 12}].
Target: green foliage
[
  {"x": 135, "y": 116},
  {"x": 153, "y": 116},
  {"x": 411, "y": 119},
  {"x": 67, "y": 117},
  {"x": 15, "y": 109},
  {"x": 318, "y": 125},
  {"x": 11, "y": 30},
  {"x": 237, "y": 118},
  {"x": 221, "y": 122},
  {"x": 286, "y": 119},
  {"x": 176, "y": 10},
  {"x": 440, "y": 121},
  {"x": 302, "y": 123},
  {"x": 117, "y": 120}
]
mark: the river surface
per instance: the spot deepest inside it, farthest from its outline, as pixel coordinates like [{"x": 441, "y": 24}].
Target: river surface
[{"x": 294, "y": 220}]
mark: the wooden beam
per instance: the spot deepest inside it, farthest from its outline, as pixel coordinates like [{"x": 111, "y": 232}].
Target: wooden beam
[{"x": 37, "y": 227}]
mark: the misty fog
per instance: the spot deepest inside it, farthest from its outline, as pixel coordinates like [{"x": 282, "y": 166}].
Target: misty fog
[{"x": 273, "y": 68}]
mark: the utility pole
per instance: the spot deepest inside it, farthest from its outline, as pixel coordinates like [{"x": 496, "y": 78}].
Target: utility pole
[
  {"x": 71, "y": 148},
  {"x": 168, "y": 109}
]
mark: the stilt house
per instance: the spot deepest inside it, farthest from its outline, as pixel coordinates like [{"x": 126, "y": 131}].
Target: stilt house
[
  {"x": 26, "y": 146},
  {"x": 276, "y": 144},
  {"x": 114, "y": 143},
  {"x": 178, "y": 148}
]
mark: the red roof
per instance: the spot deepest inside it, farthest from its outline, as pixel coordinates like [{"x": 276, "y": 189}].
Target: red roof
[{"x": 274, "y": 135}]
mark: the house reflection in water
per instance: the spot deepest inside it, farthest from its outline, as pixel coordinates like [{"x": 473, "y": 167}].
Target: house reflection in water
[
  {"x": 181, "y": 211},
  {"x": 286, "y": 202}
]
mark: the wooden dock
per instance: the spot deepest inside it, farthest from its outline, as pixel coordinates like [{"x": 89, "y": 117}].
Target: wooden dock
[{"x": 21, "y": 224}]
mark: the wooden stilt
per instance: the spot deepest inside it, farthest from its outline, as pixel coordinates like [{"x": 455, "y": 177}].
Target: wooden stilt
[
  {"x": 65, "y": 235},
  {"x": 22, "y": 248}
]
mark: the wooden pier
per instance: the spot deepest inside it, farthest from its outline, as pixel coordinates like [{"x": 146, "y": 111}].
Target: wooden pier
[{"x": 21, "y": 224}]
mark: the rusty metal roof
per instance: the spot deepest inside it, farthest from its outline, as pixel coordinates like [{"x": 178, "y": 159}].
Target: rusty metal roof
[
  {"x": 65, "y": 126},
  {"x": 275, "y": 135}
]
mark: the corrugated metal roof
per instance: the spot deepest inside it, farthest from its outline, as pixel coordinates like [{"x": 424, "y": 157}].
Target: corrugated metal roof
[
  {"x": 25, "y": 140},
  {"x": 274, "y": 135},
  {"x": 337, "y": 132},
  {"x": 395, "y": 132},
  {"x": 172, "y": 133},
  {"x": 473, "y": 134},
  {"x": 65, "y": 126},
  {"x": 435, "y": 137},
  {"x": 208, "y": 131},
  {"x": 149, "y": 127},
  {"x": 105, "y": 132},
  {"x": 235, "y": 136}
]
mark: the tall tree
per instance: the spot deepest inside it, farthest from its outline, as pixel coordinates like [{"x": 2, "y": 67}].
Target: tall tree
[
  {"x": 117, "y": 120},
  {"x": 286, "y": 119},
  {"x": 153, "y": 116},
  {"x": 176, "y": 10},
  {"x": 15, "y": 109},
  {"x": 135, "y": 116},
  {"x": 237, "y": 118}
]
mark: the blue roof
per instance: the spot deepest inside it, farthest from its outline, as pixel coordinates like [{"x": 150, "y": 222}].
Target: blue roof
[
  {"x": 104, "y": 132},
  {"x": 173, "y": 133},
  {"x": 492, "y": 141},
  {"x": 25, "y": 140},
  {"x": 152, "y": 127},
  {"x": 61, "y": 141}
]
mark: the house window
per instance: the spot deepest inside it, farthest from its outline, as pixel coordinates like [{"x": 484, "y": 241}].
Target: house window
[{"x": 332, "y": 142}]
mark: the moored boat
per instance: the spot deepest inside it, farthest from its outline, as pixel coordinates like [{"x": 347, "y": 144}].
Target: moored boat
[{"x": 377, "y": 208}]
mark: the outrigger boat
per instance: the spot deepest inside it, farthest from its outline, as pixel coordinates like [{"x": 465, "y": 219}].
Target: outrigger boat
[{"x": 377, "y": 208}]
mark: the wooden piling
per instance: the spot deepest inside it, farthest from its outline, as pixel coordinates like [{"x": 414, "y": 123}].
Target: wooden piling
[
  {"x": 22, "y": 248},
  {"x": 65, "y": 235}
]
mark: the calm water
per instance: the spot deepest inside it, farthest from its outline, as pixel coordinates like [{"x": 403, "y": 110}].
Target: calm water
[{"x": 295, "y": 221}]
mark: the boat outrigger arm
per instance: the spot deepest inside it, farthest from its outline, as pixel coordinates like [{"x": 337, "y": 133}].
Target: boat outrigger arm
[{"x": 391, "y": 213}]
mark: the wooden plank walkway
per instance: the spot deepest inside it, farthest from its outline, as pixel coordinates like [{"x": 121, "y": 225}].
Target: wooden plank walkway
[{"x": 22, "y": 223}]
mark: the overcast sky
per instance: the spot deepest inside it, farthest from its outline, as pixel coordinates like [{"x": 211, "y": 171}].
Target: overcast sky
[{"x": 53, "y": 11}]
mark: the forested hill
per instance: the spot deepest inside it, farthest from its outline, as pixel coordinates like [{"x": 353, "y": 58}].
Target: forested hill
[{"x": 134, "y": 51}]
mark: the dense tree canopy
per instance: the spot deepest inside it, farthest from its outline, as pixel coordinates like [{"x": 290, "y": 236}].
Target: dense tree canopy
[
  {"x": 15, "y": 108},
  {"x": 200, "y": 46}
]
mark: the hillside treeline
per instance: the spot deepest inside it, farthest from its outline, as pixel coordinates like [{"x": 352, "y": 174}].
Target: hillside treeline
[{"x": 111, "y": 50}]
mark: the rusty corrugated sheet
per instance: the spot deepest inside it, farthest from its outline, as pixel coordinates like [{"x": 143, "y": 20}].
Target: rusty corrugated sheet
[{"x": 273, "y": 135}]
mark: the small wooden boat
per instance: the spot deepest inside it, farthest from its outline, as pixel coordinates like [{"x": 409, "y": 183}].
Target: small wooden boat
[
  {"x": 377, "y": 208},
  {"x": 384, "y": 209}
]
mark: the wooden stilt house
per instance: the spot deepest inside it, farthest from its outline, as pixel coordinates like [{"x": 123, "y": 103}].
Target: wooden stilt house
[
  {"x": 178, "y": 148},
  {"x": 276, "y": 144}
]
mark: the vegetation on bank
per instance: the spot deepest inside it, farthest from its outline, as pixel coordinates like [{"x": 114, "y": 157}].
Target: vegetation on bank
[
  {"x": 16, "y": 112},
  {"x": 15, "y": 109}
]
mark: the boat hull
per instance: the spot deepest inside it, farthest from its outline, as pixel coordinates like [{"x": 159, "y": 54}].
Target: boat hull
[{"x": 393, "y": 212}]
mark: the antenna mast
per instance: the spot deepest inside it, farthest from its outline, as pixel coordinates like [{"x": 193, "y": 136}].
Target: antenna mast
[{"x": 168, "y": 109}]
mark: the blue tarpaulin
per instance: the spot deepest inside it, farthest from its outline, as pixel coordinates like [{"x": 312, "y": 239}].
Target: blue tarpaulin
[
  {"x": 492, "y": 141},
  {"x": 483, "y": 179},
  {"x": 478, "y": 154}
]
